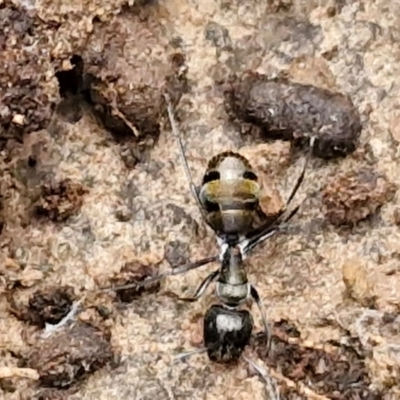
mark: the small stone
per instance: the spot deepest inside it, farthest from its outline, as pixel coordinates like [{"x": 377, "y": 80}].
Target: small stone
[
  {"x": 358, "y": 286},
  {"x": 18, "y": 119}
]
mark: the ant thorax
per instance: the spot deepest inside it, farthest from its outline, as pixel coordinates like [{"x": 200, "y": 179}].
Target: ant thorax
[
  {"x": 229, "y": 195},
  {"x": 232, "y": 287}
]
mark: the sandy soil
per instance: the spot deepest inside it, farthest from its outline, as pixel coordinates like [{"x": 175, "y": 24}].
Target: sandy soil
[{"x": 316, "y": 276}]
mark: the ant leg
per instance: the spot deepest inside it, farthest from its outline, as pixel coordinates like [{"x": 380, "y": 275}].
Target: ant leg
[
  {"x": 177, "y": 135},
  {"x": 175, "y": 271},
  {"x": 254, "y": 294},
  {"x": 248, "y": 245},
  {"x": 300, "y": 179},
  {"x": 267, "y": 230},
  {"x": 272, "y": 388},
  {"x": 202, "y": 288}
]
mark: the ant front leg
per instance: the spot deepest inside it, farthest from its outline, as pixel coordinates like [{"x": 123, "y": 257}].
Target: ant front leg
[
  {"x": 176, "y": 271},
  {"x": 260, "y": 236},
  {"x": 202, "y": 288},
  {"x": 268, "y": 229}
]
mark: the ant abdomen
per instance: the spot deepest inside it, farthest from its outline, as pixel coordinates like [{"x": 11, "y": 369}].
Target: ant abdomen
[{"x": 226, "y": 333}]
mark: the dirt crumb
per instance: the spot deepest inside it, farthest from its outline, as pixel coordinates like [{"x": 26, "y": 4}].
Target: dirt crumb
[
  {"x": 60, "y": 200},
  {"x": 70, "y": 354},
  {"x": 287, "y": 110},
  {"x": 350, "y": 197},
  {"x": 218, "y": 36},
  {"x": 311, "y": 71}
]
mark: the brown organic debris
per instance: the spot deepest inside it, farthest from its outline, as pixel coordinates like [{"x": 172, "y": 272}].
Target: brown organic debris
[
  {"x": 60, "y": 200},
  {"x": 379, "y": 334},
  {"x": 70, "y": 354},
  {"x": 350, "y": 197},
  {"x": 293, "y": 111},
  {"x": 311, "y": 71},
  {"x": 27, "y": 91},
  {"x": 339, "y": 373}
]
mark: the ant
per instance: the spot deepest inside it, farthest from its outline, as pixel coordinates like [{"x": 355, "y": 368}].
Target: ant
[{"x": 228, "y": 200}]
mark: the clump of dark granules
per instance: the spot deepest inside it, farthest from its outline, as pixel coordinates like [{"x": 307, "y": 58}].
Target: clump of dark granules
[
  {"x": 27, "y": 94},
  {"x": 47, "y": 306},
  {"x": 60, "y": 200},
  {"x": 70, "y": 354},
  {"x": 293, "y": 111},
  {"x": 350, "y": 197}
]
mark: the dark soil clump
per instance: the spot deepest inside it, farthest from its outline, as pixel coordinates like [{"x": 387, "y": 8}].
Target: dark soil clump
[
  {"x": 27, "y": 96},
  {"x": 126, "y": 79},
  {"x": 60, "y": 200},
  {"x": 50, "y": 306},
  {"x": 293, "y": 111},
  {"x": 47, "y": 306},
  {"x": 70, "y": 354}
]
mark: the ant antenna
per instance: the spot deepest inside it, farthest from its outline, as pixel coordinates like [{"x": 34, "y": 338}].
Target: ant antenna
[{"x": 177, "y": 135}]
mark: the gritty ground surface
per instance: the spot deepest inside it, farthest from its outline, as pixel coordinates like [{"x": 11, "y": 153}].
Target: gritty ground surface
[{"x": 316, "y": 276}]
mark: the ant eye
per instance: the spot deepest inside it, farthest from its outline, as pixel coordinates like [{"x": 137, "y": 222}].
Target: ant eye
[
  {"x": 250, "y": 175},
  {"x": 211, "y": 176}
]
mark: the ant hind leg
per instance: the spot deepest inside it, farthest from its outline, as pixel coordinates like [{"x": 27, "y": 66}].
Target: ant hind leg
[{"x": 256, "y": 297}]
